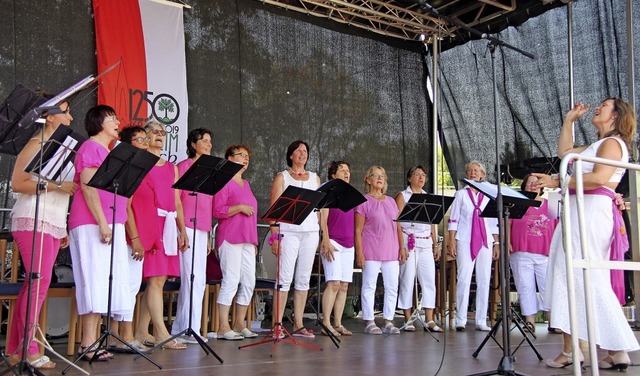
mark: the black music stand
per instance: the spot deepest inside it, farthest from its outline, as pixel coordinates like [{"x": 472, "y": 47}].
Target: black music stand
[
  {"x": 293, "y": 206},
  {"x": 13, "y": 138},
  {"x": 207, "y": 175},
  {"x": 515, "y": 205},
  {"x": 120, "y": 173},
  {"x": 339, "y": 195},
  {"x": 427, "y": 209}
]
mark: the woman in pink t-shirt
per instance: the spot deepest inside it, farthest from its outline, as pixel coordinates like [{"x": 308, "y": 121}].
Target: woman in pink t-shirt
[
  {"x": 235, "y": 206},
  {"x": 530, "y": 238},
  {"x": 338, "y": 253},
  {"x": 379, "y": 247},
  {"x": 92, "y": 231}
]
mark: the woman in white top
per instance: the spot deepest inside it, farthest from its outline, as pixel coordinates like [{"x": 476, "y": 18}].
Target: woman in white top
[
  {"x": 51, "y": 235},
  {"x": 616, "y": 124},
  {"x": 423, "y": 251},
  {"x": 298, "y": 243},
  {"x": 465, "y": 211}
]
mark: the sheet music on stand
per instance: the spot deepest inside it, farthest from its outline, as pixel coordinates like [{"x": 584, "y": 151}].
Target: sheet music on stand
[
  {"x": 515, "y": 201},
  {"x": 57, "y": 154},
  {"x": 425, "y": 208}
]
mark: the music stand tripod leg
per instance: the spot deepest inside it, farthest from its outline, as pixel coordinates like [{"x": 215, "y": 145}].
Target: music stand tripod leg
[
  {"x": 319, "y": 322},
  {"x": 273, "y": 336},
  {"x": 102, "y": 341},
  {"x": 189, "y": 330},
  {"x": 415, "y": 315}
]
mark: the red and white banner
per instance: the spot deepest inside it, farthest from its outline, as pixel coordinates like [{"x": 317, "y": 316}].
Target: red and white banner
[{"x": 147, "y": 36}]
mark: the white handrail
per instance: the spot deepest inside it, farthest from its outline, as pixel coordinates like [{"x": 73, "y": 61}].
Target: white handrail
[{"x": 586, "y": 264}]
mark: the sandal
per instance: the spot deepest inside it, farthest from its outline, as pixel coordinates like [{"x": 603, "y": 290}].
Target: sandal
[
  {"x": 409, "y": 327},
  {"x": 530, "y": 327},
  {"x": 342, "y": 330},
  {"x": 554, "y": 330},
  {"x": 148, "y": 340},
  {"x": 390, "y": 329},
  {"x": 174, "y": 345},
  {"x": 123, "y": 349},
  {"x": 551, "y": 363},
  {"x": 42, "y": 362},
  {"x": 331, "y": 330},
  {"x": 371, "y": 328},
  {"x": 433, "y": 327},
  {"x": 98, "y": 355}
]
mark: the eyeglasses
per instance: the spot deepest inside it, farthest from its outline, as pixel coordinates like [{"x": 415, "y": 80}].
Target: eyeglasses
[
  {"x": 378, "y": 176},
  {"x": 112, "y": 119},
  {"x": 242, "y": 154},
  {"x": 141, "y": 139},
  {"x": 158, "y": 132},
  {"x": 419, "y": 174}
]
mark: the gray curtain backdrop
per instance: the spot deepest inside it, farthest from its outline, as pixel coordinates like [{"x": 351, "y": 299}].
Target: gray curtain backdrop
[{"x": 533, "y": 95}]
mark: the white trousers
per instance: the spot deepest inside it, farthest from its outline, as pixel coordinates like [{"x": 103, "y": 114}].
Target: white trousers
[
  {"x": 529, "y": 270},
  {"x": 296, "y": 258},
  {"x": 341, "y": 268},
  {"x": 135, "y": 279},
  {"x": 420, "y": 261},
  {"x": 238, "y": 264},
  {"x": 181, "y": 321},
  {"x": 390, "y": 272},
  {"x": 465, "y": 265}
]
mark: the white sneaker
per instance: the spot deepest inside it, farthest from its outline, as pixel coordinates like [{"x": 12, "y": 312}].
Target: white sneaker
[{"x": 483, "y": 328}]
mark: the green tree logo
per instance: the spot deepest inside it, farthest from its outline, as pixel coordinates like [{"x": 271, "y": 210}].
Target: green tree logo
[{"x": 166, "y": 105}]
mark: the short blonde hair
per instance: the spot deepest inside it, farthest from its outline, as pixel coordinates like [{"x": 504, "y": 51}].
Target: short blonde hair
[{"x": 367, "y": 186}]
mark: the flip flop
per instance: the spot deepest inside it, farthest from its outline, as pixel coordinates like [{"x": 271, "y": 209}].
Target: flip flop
[
  {"x": 98, "y": 355},
  {"x": 174, "y": 345},
  {"x": 304, "y": 333}
]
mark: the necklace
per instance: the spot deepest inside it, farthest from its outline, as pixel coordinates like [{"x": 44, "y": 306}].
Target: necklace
[{"x": 298, "y": 173}]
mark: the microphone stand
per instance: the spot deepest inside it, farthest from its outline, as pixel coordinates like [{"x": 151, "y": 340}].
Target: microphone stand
[{"x": 505, "y": 367}]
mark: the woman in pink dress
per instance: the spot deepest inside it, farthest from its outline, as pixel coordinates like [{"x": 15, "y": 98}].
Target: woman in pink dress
[
  {"x": 51, "y": 235},
  {"x": 161, "y": 261}
]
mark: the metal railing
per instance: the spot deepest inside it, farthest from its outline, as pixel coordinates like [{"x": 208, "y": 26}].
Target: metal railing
[{"x": 585, "y": 263}]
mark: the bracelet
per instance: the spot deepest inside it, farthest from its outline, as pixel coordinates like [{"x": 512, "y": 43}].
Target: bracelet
[
  {"x": 134, "y": 238},
  {"x": 555, "y": 176},
  {"x": 496, "y": 243},
  {"x": 273, "y": 238}
]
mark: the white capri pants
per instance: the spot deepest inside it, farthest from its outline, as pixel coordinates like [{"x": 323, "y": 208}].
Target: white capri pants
[
  {"x": 420, "y": 261},
  {"x": 181, "y": 321},
  {"x": 529, "y": 270},
  {"x": 341, "y": 268},
  {"x": 135, "y": 279},
  {"x": 297, "y": 252},
  {"x": 465, "y": 266},
  {"x": 390, "y": 272},
  {"x": 238, "y": 264}
]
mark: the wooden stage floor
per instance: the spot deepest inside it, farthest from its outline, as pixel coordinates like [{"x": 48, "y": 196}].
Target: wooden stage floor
[{"x": 406, "y": 354}]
